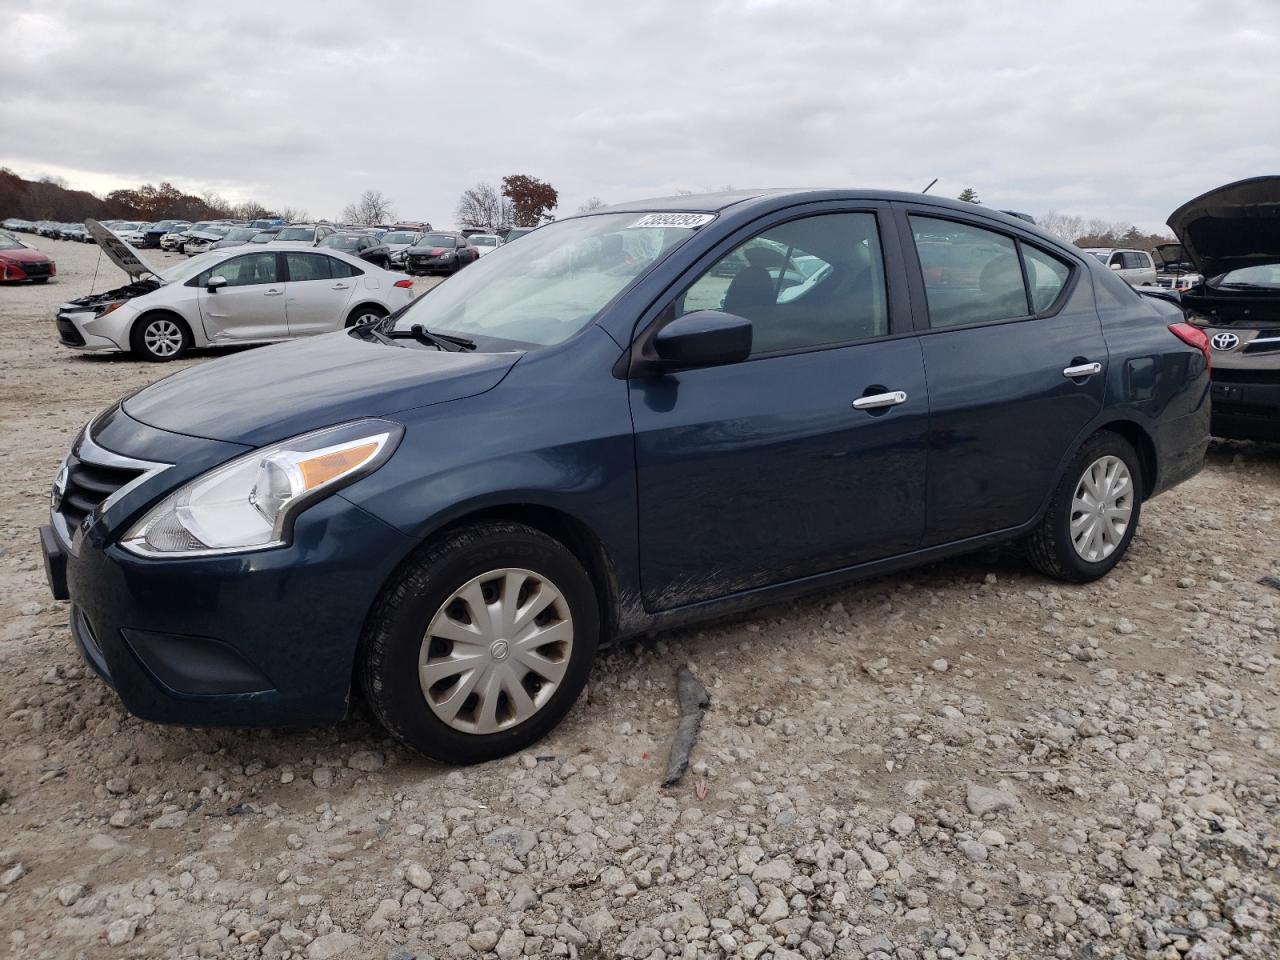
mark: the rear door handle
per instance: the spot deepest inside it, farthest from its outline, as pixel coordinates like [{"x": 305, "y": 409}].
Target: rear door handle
[
  {"x": 1082, "y": 370},
  {"x": 877, "y": 400},
  {"x": 272, "y": 293},
  {"x": 341, "y": 286}
]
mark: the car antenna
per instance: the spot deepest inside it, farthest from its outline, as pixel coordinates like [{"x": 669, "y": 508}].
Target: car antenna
[{"x": 931, "y": 183}]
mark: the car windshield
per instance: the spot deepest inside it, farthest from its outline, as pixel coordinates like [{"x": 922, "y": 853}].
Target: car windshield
[
  {"x": 398, "y": 236},
  {"x": 1103, "y": 255},
  {"x": 240, "y": 233},
  {"x": 124, "y": 227},
  {"x": 340, "y": 242},
  {"x": 550, "y": 285},
  {"x": 263, "y": 237},
  {"x": 437, "y": 240},
  {"x": 480, "y": 241},
  {"x": 1266, "y": 275},
  {"x": 7, "y": 244},
  {"x": 297, "y": 233}
]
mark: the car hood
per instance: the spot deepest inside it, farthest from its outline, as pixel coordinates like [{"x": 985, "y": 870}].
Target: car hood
[
  {"x": 1234, "y": 226},
  {"x": 1168, "y": 254},
  {"x": 24, "y": 255},
  {"x": 121, "y": 254},
  {"x": 268, "y": 394}
]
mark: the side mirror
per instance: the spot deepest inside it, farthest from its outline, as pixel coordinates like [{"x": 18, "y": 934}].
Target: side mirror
[
  {"x": 1117, "y": 266},
  {"x": 707, "y": 338},
  {"x": 215, "y": 283}
]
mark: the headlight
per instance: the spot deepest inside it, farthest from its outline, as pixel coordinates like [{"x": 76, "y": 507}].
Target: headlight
[
  {"x": 251, "y": 502},
  {"x": 105, "y": 308}
]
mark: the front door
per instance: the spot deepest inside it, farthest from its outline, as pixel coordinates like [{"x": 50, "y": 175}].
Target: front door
[
  {"x": 251, "y": 304},
  {"x": 1017, "y": 369},
  {"x": 807, "y": 457}
]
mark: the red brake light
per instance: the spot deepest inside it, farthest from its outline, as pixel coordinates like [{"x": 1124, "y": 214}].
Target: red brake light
[
  {"x": 405, "y": 284},
  {"x": 1193, "y": 337}
]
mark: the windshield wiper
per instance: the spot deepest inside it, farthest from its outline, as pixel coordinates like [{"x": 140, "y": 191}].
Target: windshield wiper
[{"x": 441, "y": 341}]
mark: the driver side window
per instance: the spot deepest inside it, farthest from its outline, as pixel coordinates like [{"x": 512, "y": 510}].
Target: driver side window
[
  {"x": 802, "y": 284},
  {"x": 241, "y": 271}
]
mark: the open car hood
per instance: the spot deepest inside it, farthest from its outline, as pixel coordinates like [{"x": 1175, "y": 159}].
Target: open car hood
[
  {"x": 1233, "y": 226},
  {"x": 1170, "y": 255},
  {"x": 121, "y": 254}
]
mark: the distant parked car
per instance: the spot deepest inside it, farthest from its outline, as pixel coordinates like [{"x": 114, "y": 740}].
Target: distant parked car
[
  {"x": 235, "y": 236},
  {"x": 1174, "y": 269},
  {"x": 362, "y": 245},
  {"x": 200, "y": 241},
  {"x": 311, "y": 233},
  {"x": 134, "y": 234},
  {"x": 265, "y": 236},
  {"x": 227, "y": 296},
  {"x": 439, "y": 253},
  {"x": 20, "y": 262},
  {"x": 399, "y": 241},
  {"x": 152, "y": 236},
  {"x": 1135, "y": 267},
  {"x": 485, "y": 242}
]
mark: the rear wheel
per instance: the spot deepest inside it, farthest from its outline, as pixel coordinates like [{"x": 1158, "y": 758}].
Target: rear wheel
[
  {"x": 160, "y": 337},
  {"x": 368, "y": 313},
  {"x": 1094, "y": 512},
  {"x": 482, "y": 644}
]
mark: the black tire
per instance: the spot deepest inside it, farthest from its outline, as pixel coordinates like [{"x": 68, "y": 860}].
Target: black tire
[
  {"x": 39, "y": 279},
  {"x": 388, "y": 661},
  {"x": 360, "y": 313},
  {"x": 1050, "y": 548},
  {"x": 138, "y": 339}
]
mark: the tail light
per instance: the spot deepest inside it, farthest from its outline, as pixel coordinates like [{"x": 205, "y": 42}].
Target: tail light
[
  {"x": 1193, "y": 337},
  {"x": 405, "y": 284}
]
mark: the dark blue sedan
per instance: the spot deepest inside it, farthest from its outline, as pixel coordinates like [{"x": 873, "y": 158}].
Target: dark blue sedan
[{"x": 636, "y": 418}]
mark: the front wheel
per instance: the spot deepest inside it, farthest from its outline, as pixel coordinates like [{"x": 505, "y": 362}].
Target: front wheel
[
  {"x": 1094, "y": 512},
  {"x": 160, "y": 337},
  {"x": 482, "y": 644},
  {"x": 368, "y": 313}
]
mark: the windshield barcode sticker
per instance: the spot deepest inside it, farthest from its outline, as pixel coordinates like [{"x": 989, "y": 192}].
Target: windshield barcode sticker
[{"x": 687, "y": 220}]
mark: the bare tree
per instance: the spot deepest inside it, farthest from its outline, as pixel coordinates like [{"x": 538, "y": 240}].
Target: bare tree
[
  {"x": 483, "y": 207},
  {"x": 1068, "y": 226},
  {"x": 293, "y": 215},
  {"x": 591, "y": 203},
  {"x": 372, "y": 207}
]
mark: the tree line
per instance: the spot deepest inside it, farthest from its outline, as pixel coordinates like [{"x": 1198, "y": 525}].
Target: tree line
[{"x": 49, "y": 198}]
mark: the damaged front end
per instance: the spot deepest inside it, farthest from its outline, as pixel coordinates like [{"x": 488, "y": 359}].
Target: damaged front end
[{"x": 74, "y": 314}]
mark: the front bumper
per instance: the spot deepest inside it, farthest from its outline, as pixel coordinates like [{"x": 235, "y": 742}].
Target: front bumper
[
  {"x": 75, "y": 330},
  {"x": 252, "y": 639}
]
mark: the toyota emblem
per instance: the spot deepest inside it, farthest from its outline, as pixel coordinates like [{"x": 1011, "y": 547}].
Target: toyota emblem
[{"x": 1225, "y": 341}]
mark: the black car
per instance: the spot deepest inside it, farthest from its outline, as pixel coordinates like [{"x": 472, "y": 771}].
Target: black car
[
  {"x": 439, "y": 252},
  {"x": 362, "y": 245},
  {"x": 1231, "y": 235}
]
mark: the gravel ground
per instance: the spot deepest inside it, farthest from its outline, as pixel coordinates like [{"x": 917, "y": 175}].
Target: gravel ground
[{"x": 967, "y": 760}]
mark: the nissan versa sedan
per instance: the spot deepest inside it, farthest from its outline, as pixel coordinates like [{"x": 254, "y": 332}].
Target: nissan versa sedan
[
  {"x": 599, "y": 431},
  {"x": 233, "y": 296}
]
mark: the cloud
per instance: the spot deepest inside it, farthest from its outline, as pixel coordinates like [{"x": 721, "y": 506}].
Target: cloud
[{"x": 1115, "y": 111}]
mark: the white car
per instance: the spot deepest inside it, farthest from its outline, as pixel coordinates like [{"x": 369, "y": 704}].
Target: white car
[
  {"x": 132, "y": 233},
  {"x": 485, "y": 242},
  {"x": 1133, "y": 266},
  {"x": 231, "y": 296}
]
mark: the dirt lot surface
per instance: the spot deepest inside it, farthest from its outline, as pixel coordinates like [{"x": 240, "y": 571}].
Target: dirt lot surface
[{"x": 967, "y": 760}]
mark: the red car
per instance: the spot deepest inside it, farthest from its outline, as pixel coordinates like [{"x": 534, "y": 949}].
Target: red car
[{"x": 20, "y": 262}]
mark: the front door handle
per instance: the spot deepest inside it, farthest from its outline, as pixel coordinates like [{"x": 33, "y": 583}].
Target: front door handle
[
  {"x": 1082, "y": 370},
  {"x": 272, "y": 293},
  {"x": 878, "y": 400}
]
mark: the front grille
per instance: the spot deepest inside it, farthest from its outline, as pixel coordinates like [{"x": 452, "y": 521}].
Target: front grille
[
  {"x": 42, "y": 268},
  {"x": 1235, "y": 375},
  {"x": 88, "y": 485},
  {"x": 68, "y": 334}
]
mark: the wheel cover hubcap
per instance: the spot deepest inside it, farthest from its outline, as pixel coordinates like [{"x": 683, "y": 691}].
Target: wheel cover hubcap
[
  {"x": 1101, "y": 509},
  {"x": 496, "y": 651},
  {"x": 163, "y": 338}
]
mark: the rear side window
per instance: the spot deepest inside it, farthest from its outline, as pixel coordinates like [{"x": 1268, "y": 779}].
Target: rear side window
[
  {"x": 308, "y": 266},
  {"x": 1046, "y": 275},
  {"x": 971, "y": 275},
  {"x": 802, "y": 284},
  {"x": 340, "y": 268}
]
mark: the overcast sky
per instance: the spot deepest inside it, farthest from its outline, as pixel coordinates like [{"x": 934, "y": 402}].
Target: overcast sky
[{"x": 1115, "y": 110}]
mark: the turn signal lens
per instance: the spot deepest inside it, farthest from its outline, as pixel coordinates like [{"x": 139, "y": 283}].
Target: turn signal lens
[{"x": 329, "y": 466}]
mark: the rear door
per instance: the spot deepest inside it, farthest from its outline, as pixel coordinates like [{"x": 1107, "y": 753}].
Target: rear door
[
  {"x": 319, "y": 289},
  {"x": 1016, "y": 364},
  {"x": 250, "y": 306},
  {"x": 765, "y": 471}
]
